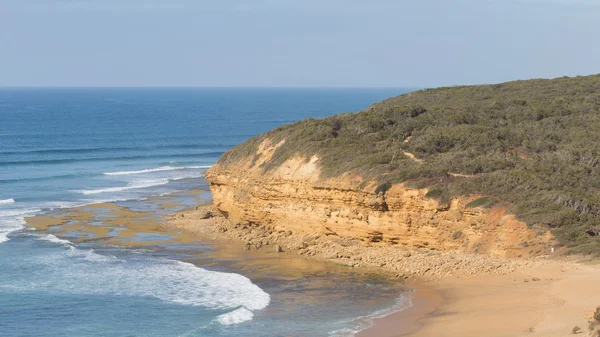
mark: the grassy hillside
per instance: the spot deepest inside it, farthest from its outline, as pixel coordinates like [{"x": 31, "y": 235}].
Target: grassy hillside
[{"x": 533, "y": 146}]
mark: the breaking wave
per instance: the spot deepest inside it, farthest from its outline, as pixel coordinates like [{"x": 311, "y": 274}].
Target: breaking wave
[
  {"x": 68, "y": 271},
  {"x": 130, "y": 186},
  {"x": 7, "y": 201},
  {"x": 158, "y": 169}
]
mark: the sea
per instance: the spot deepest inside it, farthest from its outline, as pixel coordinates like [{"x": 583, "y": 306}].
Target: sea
[{"x": 62, "y": 148}]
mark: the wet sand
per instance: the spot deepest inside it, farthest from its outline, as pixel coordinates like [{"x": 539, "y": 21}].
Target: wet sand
[{"x": 425, "y": 301}]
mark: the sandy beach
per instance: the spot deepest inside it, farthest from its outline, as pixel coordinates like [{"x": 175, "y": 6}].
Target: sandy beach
[
  {"x": 543, "y": 297},
  {"x": 549, "y": 299},
  {"x": 425, "y": 300}
]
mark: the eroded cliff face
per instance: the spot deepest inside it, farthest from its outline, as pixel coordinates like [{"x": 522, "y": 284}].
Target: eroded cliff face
[{"x": 293, "y": 198}]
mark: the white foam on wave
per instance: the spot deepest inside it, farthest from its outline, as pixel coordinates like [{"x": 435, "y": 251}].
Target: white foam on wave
[
  {"x": 4, "y": 236},
  {"x": 90, "y": 255},
  {"x": 64, "y": 204},
  {"x": 8, "y": 226},
  {"x": 364, "y": 322},
  {"x": 140, "y": 184},
  {"x": 236, "y": 317},
  {"x": 68, "y": 271},
  {"x": 158, "y": 169},
  {"x": 82, "y": 202},
  {"x": 12, "y": 221},
  {"x": 131, "y": 186},
  {"x": 10, "y": 213},
  {"x": 7, "y": 201},
  {"x": 54, "y": 239},
  {"x": 186, "y": 175}
]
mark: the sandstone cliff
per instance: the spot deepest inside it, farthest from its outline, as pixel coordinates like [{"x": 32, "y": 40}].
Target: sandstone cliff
[{"x": 293, "y": 199}]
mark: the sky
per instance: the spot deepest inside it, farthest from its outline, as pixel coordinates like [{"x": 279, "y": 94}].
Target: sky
[{"x": 304, "y": 43}]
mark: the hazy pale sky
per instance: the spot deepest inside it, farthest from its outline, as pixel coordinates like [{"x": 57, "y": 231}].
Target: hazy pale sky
[{"x": 347, "y": 43}]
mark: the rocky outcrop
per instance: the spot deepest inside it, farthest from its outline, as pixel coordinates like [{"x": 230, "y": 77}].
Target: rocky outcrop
[
  {"x": 399, "y": 261},
  {"x": 346, "y": 210}
]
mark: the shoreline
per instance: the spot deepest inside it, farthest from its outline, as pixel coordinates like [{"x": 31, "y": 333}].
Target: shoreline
[
  {"x": 259, "y": 265},
  {"x": 544, "y": 297},
  {"x": 424, "y": 302},
  {"x": 547, "y": 300}
]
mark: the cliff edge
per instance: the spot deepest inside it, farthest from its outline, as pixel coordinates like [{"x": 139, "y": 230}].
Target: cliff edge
[
  {"x": 509, "y": 170},
  {"x": 293, "y": 198}
]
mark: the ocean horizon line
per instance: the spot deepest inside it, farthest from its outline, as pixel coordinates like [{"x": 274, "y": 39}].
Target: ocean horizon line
[{"x": 214, "y": 87}]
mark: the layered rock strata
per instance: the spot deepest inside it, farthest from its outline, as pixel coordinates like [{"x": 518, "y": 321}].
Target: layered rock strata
[{"x": 293, "y": 207}]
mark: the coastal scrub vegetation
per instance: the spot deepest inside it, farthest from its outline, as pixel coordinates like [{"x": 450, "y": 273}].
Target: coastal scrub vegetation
[{"x": 533, "y": 146}]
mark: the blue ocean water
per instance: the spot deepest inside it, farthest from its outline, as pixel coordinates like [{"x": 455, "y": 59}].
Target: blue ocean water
[{"x": 62, "y": 148}]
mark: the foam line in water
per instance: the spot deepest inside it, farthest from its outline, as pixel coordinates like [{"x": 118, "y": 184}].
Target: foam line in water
[
  {"x": 92, "y": 159},
  {"x": 158, "y": 169},
  {"x": 89, "y": 255},
  {"x": 83, "y": 202},
  {"x": 3, "y": 236},
  {"x": 364, "y": 322},
  {"x": 54, "y": 239},
  {"x": 131, "y": 186},
  {"x": 7, "y": 201},
  {"x": 236, "y": 317},
  {"x": 173, "y": 282},
  {"x": 12, "y": 221},
  {"x": 16, "y": 212},
  {"x": 8, "y": 226},
  {"x": 188, "y": 175}
]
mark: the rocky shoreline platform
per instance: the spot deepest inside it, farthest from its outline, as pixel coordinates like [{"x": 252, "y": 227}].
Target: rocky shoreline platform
[
  {"x": 456, "y": 293},
  {"x": 402, "y": 262}
]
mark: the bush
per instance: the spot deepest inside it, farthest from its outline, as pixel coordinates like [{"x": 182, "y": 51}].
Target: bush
[
  {"x": 383, "y": 188},
  {"x": 434, "y": 193},
  {"x": 485, "y": 202},
  {"x": 531, "y": 145}
]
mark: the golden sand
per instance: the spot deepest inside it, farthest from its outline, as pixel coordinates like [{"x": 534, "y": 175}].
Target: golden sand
[{"x": 547, "y": 299}]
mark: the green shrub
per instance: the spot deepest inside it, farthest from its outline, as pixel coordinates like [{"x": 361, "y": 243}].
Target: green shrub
[
  {"x": 485, "y": 202},
  {"x": 434, "y": 193},
  {"x": 383, "y": 188},
  {"x": 531, "y": 145}
]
